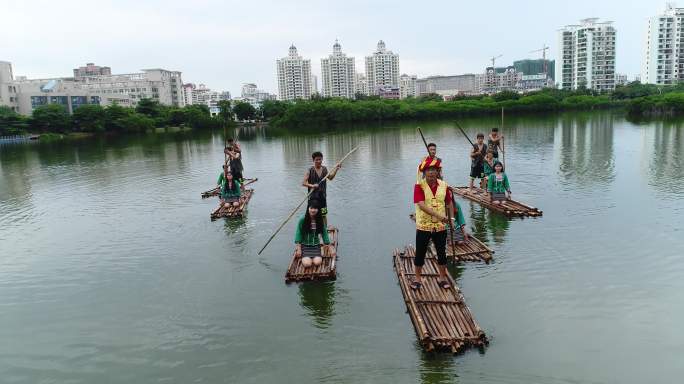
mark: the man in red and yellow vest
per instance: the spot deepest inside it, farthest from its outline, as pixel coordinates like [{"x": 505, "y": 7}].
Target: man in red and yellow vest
[
  {"x": 432, "y": 197},
  {"x": 430, "y": 160}
]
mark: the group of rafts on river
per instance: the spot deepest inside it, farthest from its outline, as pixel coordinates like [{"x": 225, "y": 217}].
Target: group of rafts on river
[{"x": 441, "y": 318}]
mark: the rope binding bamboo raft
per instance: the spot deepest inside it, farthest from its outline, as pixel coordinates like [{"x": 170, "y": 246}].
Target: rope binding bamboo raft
[
  {"x": 326, "y": 271},
  {"x": 231, "y": 211},
  {"x": 471, "y": 250},
  {"x": 440, "y": 317},
  {"x": 215, "y": 191},
  {"x": 509, "y": 207}
]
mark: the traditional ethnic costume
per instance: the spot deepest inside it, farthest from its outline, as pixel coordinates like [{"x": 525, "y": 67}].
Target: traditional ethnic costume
[{"x": 429, "y": 227}]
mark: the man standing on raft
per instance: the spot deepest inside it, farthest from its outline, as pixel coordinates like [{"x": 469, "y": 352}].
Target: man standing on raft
[
  {"x": 432, "y": 197},
  {"x": 314, "y": 179}
]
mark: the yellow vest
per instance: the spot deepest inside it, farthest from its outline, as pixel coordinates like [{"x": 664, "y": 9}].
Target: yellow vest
[{"x": 425, "y": 222}]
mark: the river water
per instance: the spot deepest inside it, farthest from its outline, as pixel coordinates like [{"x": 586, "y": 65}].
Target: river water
[{"x": 111, "y": 271}]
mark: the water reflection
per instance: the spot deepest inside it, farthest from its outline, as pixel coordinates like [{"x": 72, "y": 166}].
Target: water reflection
[
  {"x": 485, "y": 222},
  {"x": 437, "y": 368},
  {"x": 666, "y": 173},
  {"x": 585, "y": 148},
  {"x": 318, "y": 298},
  {"x": 232, "y": 226}
]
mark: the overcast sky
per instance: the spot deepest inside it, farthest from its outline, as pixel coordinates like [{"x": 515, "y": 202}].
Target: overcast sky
[{"x": 226, "y": 43}]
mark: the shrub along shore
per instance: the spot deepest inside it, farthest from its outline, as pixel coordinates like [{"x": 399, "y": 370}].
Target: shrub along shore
[{"x": 636, "y": 99}]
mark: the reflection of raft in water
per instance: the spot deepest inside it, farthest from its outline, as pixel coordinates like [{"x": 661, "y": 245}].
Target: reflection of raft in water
[
  {"x": 471, "y": 250},
  {"x": 215, "y": 191},
  {"x": 508, "y": 207},
  {"x": 231, "y": 211},
  {"x": 440, "y": 317},
  {"x": 326, "y": 271}
]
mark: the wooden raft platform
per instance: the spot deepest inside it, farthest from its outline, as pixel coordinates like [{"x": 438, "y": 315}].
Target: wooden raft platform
[
  {"x": 326, "y": 271},
  {"x": 508, "y": 208},
  {"x": 440, "y": 317},
  {"x": 234, "y": 212},
  {"x": 471, "y": 250},
  {"x": 215, "y": 191}
]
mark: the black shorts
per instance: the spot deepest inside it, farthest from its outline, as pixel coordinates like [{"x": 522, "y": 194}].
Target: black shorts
[
  {"x": 477, "y": 171},
  {"x": 422, "y": 241}
]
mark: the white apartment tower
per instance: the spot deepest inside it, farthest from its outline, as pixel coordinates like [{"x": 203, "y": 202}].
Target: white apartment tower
[
  {"x": 664, "y": 60},
  {"x": 361, "y": 83},
  {"x": 382, "y": 69},
  {"x": 338, "y": 74},
  {"x": 294, "y": 76},
  {"x": 587, "y": 56},
  {"x": 407, "y": 86}
]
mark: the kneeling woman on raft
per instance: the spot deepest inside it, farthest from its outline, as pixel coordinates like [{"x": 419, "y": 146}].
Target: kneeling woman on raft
[
  {"x": 230, "y": 190},
  {"x": 497, "y": 185},
  {"x": 310, "y": 232}
]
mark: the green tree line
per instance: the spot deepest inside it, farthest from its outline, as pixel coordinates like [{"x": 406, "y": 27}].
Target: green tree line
[
  {"x": 635, "y": 97},
  {"x": 147, "y": 114}
]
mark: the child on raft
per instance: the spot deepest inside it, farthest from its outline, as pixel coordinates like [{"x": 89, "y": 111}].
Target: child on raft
[
  {"x": 477, "y": 155},
  {"x": 310, "y": 232},
  {"x": 498, "y": 186}
]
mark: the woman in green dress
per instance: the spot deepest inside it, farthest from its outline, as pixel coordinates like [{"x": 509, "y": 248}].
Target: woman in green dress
[
  {"x": 310, "y": 232},
  {"x": 498, "y": 186}
]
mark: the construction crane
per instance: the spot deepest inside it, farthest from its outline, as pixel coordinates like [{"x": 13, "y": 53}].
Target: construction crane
[
  {"x": 493, "y": 59},
  {"x": 543, "y": 51}
]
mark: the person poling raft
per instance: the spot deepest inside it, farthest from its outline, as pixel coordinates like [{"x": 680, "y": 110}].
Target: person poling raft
[
  {"x": 311, "y": 191},
  {"x": 477, "y": 155},
  {"x": 233, "y": 154},
  {"x": 315, "y": 180}
]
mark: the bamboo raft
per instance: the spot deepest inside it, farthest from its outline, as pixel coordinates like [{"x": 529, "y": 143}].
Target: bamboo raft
[
  {"x": 215, "y": 191},
  {"x": 508, "y": 207},
  {"x": 234, "y": 212},
  {"x": 440, "y": 317},
  {"x": 471, "y": 250},
  {"x": 326, "y": 271}
]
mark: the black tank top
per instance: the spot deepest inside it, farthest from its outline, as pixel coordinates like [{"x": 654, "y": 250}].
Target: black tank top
[{"x": 315, "y": 179}]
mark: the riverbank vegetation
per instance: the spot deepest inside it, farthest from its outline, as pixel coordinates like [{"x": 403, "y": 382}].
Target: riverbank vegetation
[
  {"x": 146, "y": 116},
  {"x": 637, "y": 99}
]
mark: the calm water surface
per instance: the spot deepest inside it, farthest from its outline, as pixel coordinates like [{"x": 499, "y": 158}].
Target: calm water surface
[{"x": 111, "y": 271}]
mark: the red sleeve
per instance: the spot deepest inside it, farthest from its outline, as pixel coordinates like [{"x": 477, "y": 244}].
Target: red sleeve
[
  {"x": 418, "y": 194},
  {"x": 449, "y": 196}
]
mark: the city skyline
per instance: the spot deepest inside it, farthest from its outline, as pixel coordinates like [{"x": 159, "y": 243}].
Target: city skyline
[{"x": 244, "y": 43}]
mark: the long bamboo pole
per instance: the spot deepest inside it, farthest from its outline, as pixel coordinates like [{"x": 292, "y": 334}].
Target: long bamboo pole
[
  {"x": 303, "y": 201},
  {"x": 463, "y": 132},
  {"x": 503, "y": 140}
]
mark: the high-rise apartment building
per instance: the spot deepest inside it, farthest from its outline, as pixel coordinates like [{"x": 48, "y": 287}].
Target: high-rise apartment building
[
  {"x": 361, "y": 84},
  {"x": 382, "y": 69},
  {"x": 586, "y": 56},
  {"x": 407, "y": 86},
  {"x": 294, "y": 76},
  {"x": 338, "y": 74},
  {"x": 664, "y": 58}
]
